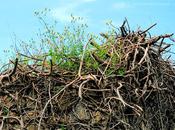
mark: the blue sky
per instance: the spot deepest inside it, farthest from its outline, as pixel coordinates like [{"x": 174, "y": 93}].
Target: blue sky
[{"x": 19, "y": 23}]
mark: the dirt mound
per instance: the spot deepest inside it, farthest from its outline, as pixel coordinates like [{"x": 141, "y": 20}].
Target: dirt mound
[{"x": 132, "y": 88}]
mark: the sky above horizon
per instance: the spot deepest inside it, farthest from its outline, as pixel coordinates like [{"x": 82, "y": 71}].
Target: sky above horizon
[{"x": 19, "y": 23}]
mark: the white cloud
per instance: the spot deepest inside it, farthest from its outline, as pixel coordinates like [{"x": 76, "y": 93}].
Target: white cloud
[
  {"x": 153, "y": 3},
  {"x": 126, "y": 5},
  {"x": 121, "y": 5},
  {"x": 89, "y": 0},
  {"x": 63, "y": 12}
]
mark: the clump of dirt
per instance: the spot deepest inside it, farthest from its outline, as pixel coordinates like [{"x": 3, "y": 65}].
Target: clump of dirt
[{"x": 132, "y": 88}]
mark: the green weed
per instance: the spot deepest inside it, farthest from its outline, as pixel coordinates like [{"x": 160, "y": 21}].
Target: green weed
[{"x": 65, "y": 48}]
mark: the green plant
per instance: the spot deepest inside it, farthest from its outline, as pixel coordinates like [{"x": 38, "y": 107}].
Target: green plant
[
  {"x": 65, "y": 48},
  {"x": 121, "y": 71},
  {"x": 63, "y": 127},
  {"x": 5, "y": 110}
]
